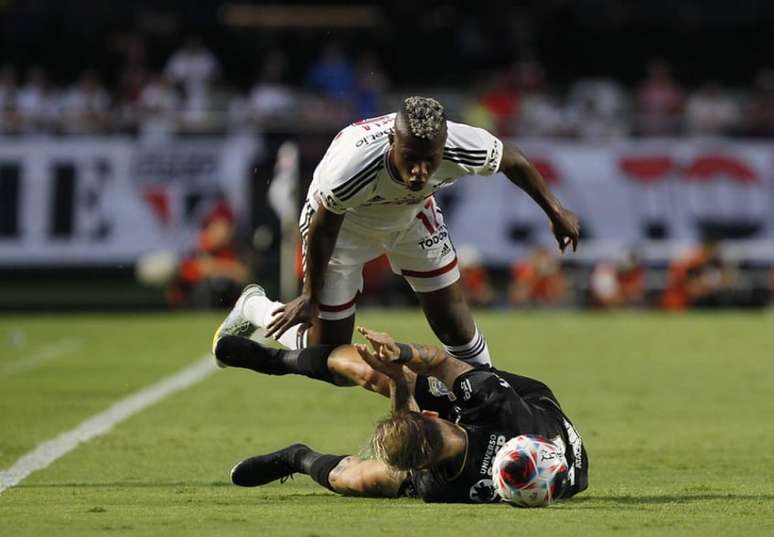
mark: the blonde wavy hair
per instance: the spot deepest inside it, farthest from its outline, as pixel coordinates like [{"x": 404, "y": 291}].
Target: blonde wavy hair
[{"x": 407, "y": 441}]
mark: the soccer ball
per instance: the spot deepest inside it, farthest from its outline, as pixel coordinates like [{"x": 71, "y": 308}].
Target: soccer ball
[{"x": 530, "y": 471}]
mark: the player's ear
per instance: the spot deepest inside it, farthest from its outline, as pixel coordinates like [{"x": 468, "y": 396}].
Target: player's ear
[{"x": 430, "y": 413}]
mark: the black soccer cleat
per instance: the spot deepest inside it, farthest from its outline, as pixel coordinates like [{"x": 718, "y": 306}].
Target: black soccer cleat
[{"x": 263, "y": 469}]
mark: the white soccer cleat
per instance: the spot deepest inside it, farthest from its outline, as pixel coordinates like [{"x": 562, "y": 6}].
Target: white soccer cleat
[{"x": 235, "y": 323}]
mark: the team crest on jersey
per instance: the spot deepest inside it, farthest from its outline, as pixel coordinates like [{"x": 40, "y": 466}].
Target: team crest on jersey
[{"x": 484, "y": 492}]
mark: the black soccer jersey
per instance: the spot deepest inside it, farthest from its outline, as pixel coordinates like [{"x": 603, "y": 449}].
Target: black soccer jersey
[{"x": 493, "y": 407}]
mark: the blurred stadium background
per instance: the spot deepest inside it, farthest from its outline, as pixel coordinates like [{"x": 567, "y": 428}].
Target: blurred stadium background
[
  {"x": 183, "y": 134},
  {"x": 153, "y": 157}
]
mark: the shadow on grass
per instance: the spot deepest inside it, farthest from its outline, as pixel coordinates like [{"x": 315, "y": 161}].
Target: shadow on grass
[
  {"x": 583, "y": 501},
  {"x": 668, "y": 498},
  {"x": 128, "y": 484}
]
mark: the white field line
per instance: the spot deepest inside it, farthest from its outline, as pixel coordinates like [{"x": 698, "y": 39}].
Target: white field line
[
  {"x": 50, "y": 451},
  {"x": 46, "y": 354}
]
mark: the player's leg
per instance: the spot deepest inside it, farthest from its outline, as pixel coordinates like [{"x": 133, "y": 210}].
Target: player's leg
[
  {"x": 348, "y": 475},
  {"x": 253, "y": 311},
  {"x": 426, "y": 258},
  {"x": 450, "y": 317},
  {"x": 326, "y": 331},
  {"x": 342, "y": 286},
  {"x": 338, "y": 365}
]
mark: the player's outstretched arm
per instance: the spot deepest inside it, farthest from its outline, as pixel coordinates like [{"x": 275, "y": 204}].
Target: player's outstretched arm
[
  {"x": 523, "y": 174},
  {"x": 421, "y": 359},
  {"x": 354, "y": 476},
  {"x": 323, "y": 232}
]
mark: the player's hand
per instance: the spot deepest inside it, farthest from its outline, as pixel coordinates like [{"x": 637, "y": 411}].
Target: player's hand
[
  {"x": 391, "y": 369},
  {"x": 384, "y": 345},
  {"x": 298, "y": 310},
  {"x": 566, "y": 229}
]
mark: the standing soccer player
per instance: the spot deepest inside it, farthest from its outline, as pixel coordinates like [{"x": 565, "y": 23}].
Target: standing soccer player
[{"x": 372, "y": 194}]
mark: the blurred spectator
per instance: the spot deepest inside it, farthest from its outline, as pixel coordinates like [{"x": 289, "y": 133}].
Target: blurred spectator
[
  {"x": 271, "y": 99},
  {"x": 761, "y": 111},
  {"x": 659, "y": 101},
  {"x": 475, "y": 278},
  {"x": 195, "y": 69},
  {"x": 36, "y": 103},
  {"x": 370, "y": 85},
  {"x": 212, "y": 275},
  {"x": 619, "y": 284},
  {"x": 7, "y": 98},
  {"x": 502, "y": 100},
  {"x": 542, "y": 115},
  {"x": 86, "y": 106},
  {"x": 333, "y": 74},
  {"x": 193, "y": 66},
  {"x": 538, "y": 281},
  {"x": 159, "y": 106},
  {"x": 539, "y": 114},
  {"x": 133, "y": 73},
  {"x": 597, "y": 108},
  {"x": 711, "y": 111},
  {"x": 477, "y": 114},
  {"x": 700, "y": 279}
]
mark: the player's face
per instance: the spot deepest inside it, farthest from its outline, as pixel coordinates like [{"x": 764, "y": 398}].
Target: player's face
[{"x": 416, "y": 160}]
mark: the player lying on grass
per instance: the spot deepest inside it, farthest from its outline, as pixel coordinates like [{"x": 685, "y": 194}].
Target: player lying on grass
[{"x": 440, "y": 449}]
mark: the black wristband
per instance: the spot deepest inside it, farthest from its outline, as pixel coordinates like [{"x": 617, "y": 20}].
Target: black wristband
[{"x": 406, "y": 352}]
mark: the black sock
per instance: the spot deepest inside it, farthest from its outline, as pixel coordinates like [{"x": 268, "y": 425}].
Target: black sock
[
  {"x": 320, "y": 469},
  {"x": 237, "y": 351},
  {"x": 312, "y": 362},
  {"x": 316, "y": 465}
]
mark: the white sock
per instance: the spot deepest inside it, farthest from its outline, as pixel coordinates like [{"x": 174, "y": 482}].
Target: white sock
[
  {"x": 294, "y": 337},
  {"x": 474, "y": 352},
  {"x": 258, "y": 310}
]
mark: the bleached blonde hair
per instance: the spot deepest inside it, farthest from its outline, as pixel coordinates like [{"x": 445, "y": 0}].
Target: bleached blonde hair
[
  {"x": 407, "y": 441},
  {"x": 425, "y": 117}
]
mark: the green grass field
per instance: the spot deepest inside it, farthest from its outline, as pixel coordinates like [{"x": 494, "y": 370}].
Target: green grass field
[{"x": 676, "y": 412}]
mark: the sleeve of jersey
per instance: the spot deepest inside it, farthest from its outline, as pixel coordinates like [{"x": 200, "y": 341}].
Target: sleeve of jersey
[
  {"x": 484, "y": 396},
  {"x": 475, "y": 150},
  {"x": 344, "y": 183}
]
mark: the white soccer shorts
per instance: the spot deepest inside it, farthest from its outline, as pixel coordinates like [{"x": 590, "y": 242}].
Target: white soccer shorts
[{"x": 423, "y": 254}]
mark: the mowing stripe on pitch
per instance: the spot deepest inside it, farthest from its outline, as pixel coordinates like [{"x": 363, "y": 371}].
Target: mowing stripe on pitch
[
  {"x": 48, "y": 452},
  {"x": 46, "y": 354}
]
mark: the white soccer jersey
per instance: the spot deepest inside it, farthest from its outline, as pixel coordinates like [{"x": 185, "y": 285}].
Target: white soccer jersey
[{"x": 353, "y": 176}]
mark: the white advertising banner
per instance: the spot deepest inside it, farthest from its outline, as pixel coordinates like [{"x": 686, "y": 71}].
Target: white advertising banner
[
  {"x": 107, "y": 201},
  {"x": 625, "y": 194}
]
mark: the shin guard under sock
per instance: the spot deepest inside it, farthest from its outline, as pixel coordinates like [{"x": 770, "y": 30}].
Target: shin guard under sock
[{"x": 312, "y": 362}]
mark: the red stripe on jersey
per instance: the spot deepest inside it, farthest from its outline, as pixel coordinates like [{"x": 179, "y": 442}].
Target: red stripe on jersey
[{"x": 430, "y": 273}]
